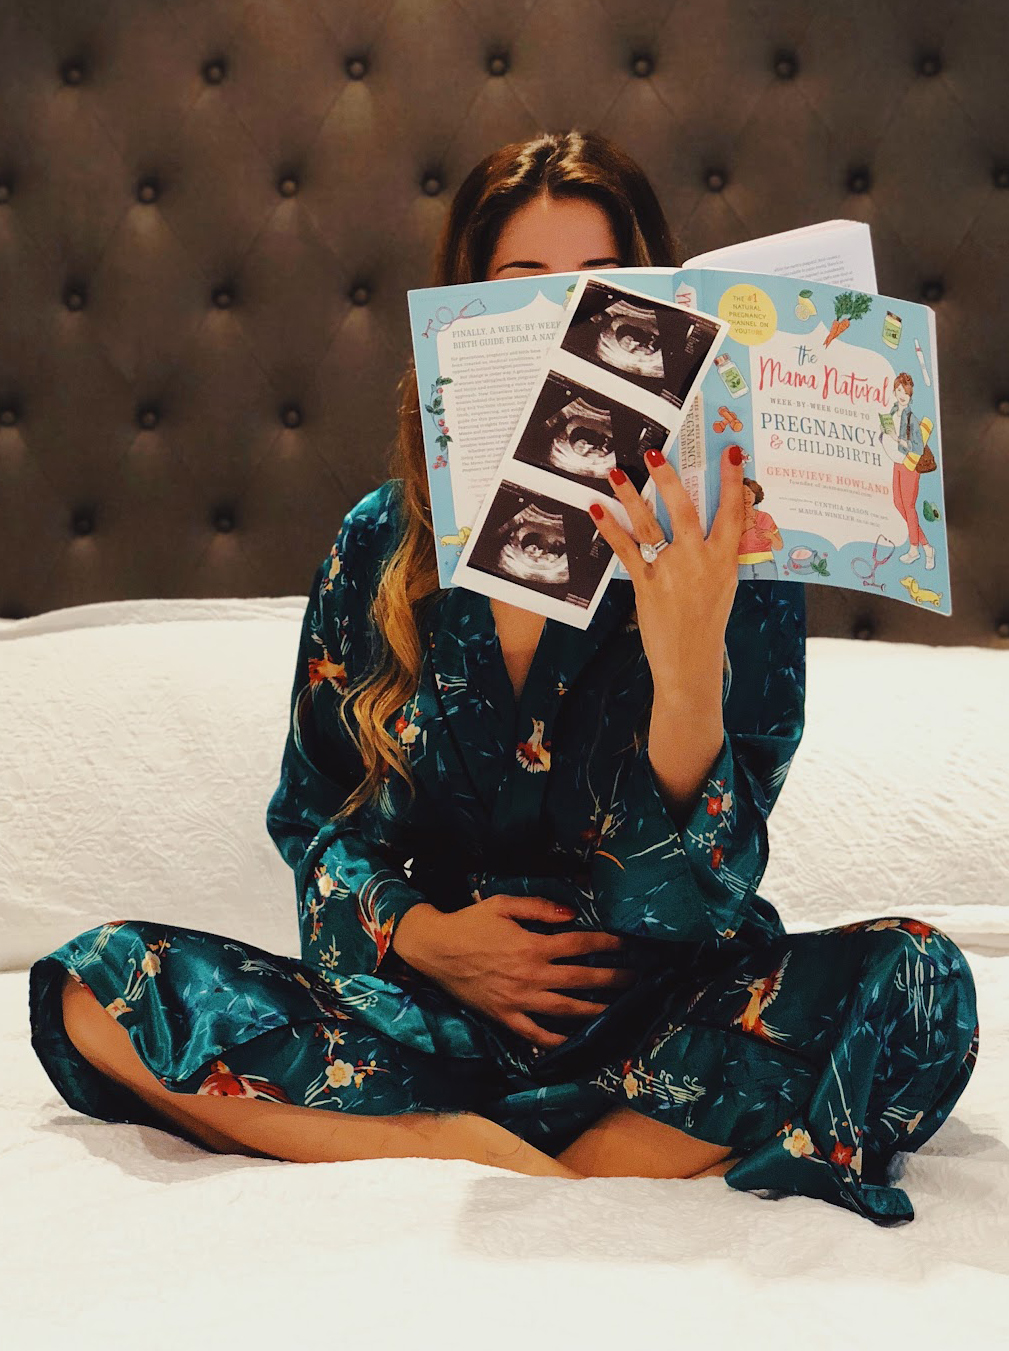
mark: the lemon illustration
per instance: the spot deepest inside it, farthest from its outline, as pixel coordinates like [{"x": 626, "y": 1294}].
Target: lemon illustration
[{"x": 805, "y": 309}]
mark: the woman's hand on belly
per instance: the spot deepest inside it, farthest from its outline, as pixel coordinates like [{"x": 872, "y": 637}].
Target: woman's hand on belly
[{"x": 485, "y": 958}]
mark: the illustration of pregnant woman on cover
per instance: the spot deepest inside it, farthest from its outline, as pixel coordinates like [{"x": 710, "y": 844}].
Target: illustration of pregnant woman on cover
[{"x": 905, "y": 450}]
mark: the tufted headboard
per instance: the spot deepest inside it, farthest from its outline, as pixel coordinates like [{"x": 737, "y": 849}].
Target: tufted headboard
[{"x": 211, "y": 211}]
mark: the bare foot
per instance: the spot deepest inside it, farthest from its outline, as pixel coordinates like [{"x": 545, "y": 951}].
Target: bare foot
[
  {"x": 496, "y": 1145},
  {"x": 718, "y": 1169}
]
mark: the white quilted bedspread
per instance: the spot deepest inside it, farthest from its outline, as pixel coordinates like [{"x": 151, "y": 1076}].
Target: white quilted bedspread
[
  {"x": 123, "y": 1236},
  {"x": 141, "y": 741}
]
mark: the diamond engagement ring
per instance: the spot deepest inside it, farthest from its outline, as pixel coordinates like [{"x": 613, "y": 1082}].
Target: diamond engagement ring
[{"x": 650, "y": 552}]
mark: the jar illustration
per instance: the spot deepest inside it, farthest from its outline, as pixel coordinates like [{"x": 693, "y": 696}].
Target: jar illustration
[
  {"x": 731, "y": 375},
  {"x": 892, "y": 325}
]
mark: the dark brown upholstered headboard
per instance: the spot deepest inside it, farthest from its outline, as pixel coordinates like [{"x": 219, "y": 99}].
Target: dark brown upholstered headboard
[{"x": 211, "y": 211}]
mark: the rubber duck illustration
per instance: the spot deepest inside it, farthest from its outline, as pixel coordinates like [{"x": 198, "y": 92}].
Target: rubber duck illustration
[{"x": 460, "y": 537}]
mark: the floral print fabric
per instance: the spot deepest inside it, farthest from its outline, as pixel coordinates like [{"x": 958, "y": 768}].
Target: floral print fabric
[{"x": 815, "y": 1056}]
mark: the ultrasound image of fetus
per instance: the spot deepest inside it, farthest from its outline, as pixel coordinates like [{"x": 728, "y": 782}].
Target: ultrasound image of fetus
[
  {"x": 628, "y": 339},
  {"x": 582, "y": 440},
  {"x": 534, "y": 548}
]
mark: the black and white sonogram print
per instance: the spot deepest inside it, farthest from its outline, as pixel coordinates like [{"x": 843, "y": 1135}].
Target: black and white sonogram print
[
  {"x": 533, "y": 540},
  {"x": 656, "y": 346},
  {"x": 583, "y": 435}
]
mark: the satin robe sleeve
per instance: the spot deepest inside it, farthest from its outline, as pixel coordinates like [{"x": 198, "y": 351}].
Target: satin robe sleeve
[
  {"x": 350, "y": 883},
  {"x": 695, "y": 882}
]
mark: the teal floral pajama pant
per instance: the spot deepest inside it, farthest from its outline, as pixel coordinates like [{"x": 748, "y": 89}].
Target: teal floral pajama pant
[{"x": 815, "y": 1058}]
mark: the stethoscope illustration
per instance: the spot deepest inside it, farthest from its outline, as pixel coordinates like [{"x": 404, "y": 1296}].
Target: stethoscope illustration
[{"x": 869, "y": 578}]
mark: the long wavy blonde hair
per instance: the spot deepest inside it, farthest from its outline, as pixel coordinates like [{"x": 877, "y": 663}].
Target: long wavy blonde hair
[{"x": 569, "y": 164}]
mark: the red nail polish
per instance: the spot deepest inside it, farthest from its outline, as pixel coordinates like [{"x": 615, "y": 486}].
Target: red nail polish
[
  {"x": 618, "y": 476},
  {"x": 735, "y": 455},
  {"x": 655, "y": 457},
  {"x": 597, "y": 511}
]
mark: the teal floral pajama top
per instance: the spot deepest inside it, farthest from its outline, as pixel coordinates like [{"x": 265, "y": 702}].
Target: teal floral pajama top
[{"x": 815, "y": 1056}]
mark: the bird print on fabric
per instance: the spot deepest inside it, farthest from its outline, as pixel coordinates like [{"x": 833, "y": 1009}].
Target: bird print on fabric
[
  {"x": 763, "y": 991},
  {"x": 534, "y": 754},
  {"x": 874, "y": 1029},
  {"x": 221, "y": 1083}
]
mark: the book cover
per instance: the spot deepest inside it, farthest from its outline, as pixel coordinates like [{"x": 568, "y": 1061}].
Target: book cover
[{"x": 540, "y": 383}]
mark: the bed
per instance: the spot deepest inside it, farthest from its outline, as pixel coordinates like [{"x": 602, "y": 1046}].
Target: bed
[
  {"x": 153, "y": 805},
  {"x": 210, "y": 213}
]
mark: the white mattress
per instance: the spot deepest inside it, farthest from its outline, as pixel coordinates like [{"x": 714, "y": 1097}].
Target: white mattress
[{"x": 118, "y": 1235}]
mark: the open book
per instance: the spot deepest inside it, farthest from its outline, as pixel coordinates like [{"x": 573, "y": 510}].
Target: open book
[{"x": 532, "y": 388}]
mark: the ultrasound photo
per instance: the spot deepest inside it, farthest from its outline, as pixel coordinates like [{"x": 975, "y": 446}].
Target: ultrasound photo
[
  {"x": 658, "y": 347},
  {"x": 535, "y": 541},
  {"x": 582, "y": 435}
]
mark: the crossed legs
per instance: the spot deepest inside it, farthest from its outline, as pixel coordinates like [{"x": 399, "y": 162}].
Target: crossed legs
[
  {"x": 274, "y": 1130},
  {"x": 624, "y": 1143}
]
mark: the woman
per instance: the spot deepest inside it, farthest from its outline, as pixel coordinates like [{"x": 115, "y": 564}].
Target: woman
[
  {"x": 664, "y": 1024},
  {"x": 760, "y": 537},
  {"x": 905, "y": 450}
]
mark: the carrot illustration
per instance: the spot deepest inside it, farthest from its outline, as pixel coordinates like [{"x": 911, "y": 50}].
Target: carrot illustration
[{"x": 848, "y": 305}]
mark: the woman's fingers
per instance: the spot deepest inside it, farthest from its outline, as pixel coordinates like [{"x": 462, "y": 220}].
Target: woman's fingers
[
  {"x": 564, "y": 1006},
  {"x": 730, "y": 516},
  {"x": 682, "y": 512},
  {"x": 643, "y": 519},
  {"x": 539, "y": 1036},
  {"x": 619, "y": 540},
  {"x": 725, "y": 529}
]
